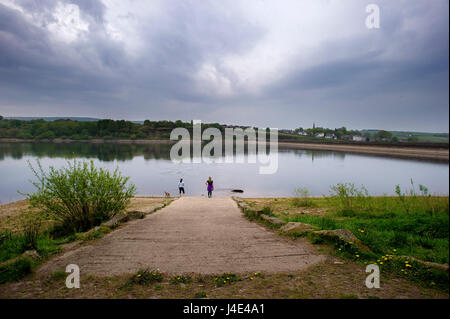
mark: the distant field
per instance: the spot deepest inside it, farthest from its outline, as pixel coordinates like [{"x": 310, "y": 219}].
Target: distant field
[{"x": 422, "y": 136}]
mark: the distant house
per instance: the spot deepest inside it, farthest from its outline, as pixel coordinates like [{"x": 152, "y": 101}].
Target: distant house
[
  {"x": 358, "y": 138},
  {"x": 320, "y": 135},
  {"x": 331, "y": 136},
  {"x": 302, "y": 133}
]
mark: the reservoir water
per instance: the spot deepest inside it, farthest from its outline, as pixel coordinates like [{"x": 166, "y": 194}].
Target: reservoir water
[{"x": 151, "y": 170}]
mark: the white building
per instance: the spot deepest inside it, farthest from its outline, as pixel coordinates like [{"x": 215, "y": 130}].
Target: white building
[{"x": 357, "y": 138}]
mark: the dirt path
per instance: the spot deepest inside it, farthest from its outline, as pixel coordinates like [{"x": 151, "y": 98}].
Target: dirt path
[{"x": 191, "y": 235}]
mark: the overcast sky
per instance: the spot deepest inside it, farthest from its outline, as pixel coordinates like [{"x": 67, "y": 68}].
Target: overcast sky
[{"x": 281, "y": 63}]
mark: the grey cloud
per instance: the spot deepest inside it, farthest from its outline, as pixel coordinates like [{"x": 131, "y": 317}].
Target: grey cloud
[{"x": 366, "y": 81}]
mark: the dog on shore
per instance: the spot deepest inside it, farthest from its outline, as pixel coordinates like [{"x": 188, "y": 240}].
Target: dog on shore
[{"x": 166, "y": 194}]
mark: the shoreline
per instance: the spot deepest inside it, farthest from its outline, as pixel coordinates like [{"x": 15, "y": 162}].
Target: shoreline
[{"x": 429, "y": 153}]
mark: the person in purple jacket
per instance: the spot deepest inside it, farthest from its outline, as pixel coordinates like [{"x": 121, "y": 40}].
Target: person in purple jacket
[{"x": 210, "y": 186}]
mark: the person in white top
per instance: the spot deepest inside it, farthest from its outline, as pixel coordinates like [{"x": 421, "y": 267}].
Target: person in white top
[{"x": 181, "y": 186}]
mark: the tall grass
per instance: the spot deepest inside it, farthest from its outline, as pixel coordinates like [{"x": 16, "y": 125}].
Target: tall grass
[
  {"x": 302, "y": 198},
  {"x": 80, "y": 196}
]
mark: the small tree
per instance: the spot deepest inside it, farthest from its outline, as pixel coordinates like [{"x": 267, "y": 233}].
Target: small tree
[
  {"x": 383, "y": 135},
  {"x": 80, "y": 196}
]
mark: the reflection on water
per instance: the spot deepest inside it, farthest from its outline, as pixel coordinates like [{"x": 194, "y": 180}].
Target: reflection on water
[
  {"x": 150, "y": 168},
  {"x": 120, "y": 152},
  {"x": 101, "y": 151}
]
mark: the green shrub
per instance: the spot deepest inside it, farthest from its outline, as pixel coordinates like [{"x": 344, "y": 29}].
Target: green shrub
[{"x": 80, "y": 196}]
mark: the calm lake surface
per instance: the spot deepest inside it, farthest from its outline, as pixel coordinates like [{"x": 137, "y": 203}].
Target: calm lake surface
[{"x": 153, "y": 173}]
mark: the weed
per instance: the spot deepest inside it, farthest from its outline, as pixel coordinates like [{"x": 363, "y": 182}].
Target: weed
[
  {"x": 226, "y": 278},
  {"x": 145, "y": 277},
  {"x": 200, "y": 294},
  {"x": 180, "y": 280}
]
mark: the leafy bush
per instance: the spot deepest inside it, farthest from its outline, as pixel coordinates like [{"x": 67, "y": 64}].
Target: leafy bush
[{"x": 80, "y": 196}]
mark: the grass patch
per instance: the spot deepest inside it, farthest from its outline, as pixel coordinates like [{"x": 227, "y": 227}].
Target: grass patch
[
  {"x": 413, "y": 223},
  {"x": 16, "y": 269},
  {"x": 58, "y": 275}
]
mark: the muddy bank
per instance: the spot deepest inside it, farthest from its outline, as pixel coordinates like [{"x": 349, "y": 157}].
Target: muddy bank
[{"x": 421, "y": 153}]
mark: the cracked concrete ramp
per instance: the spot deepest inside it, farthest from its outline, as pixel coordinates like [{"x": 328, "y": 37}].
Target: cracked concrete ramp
[{"x": 191, "y": 235}]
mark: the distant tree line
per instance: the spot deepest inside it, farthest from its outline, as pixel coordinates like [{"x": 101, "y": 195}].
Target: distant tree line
[
  {"x": 105, "y": 129},
  {"x": 41, "y": 129}
]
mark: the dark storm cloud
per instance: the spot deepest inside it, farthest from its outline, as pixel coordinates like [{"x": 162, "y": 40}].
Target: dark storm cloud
[{"x": 213, "y": 61}]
